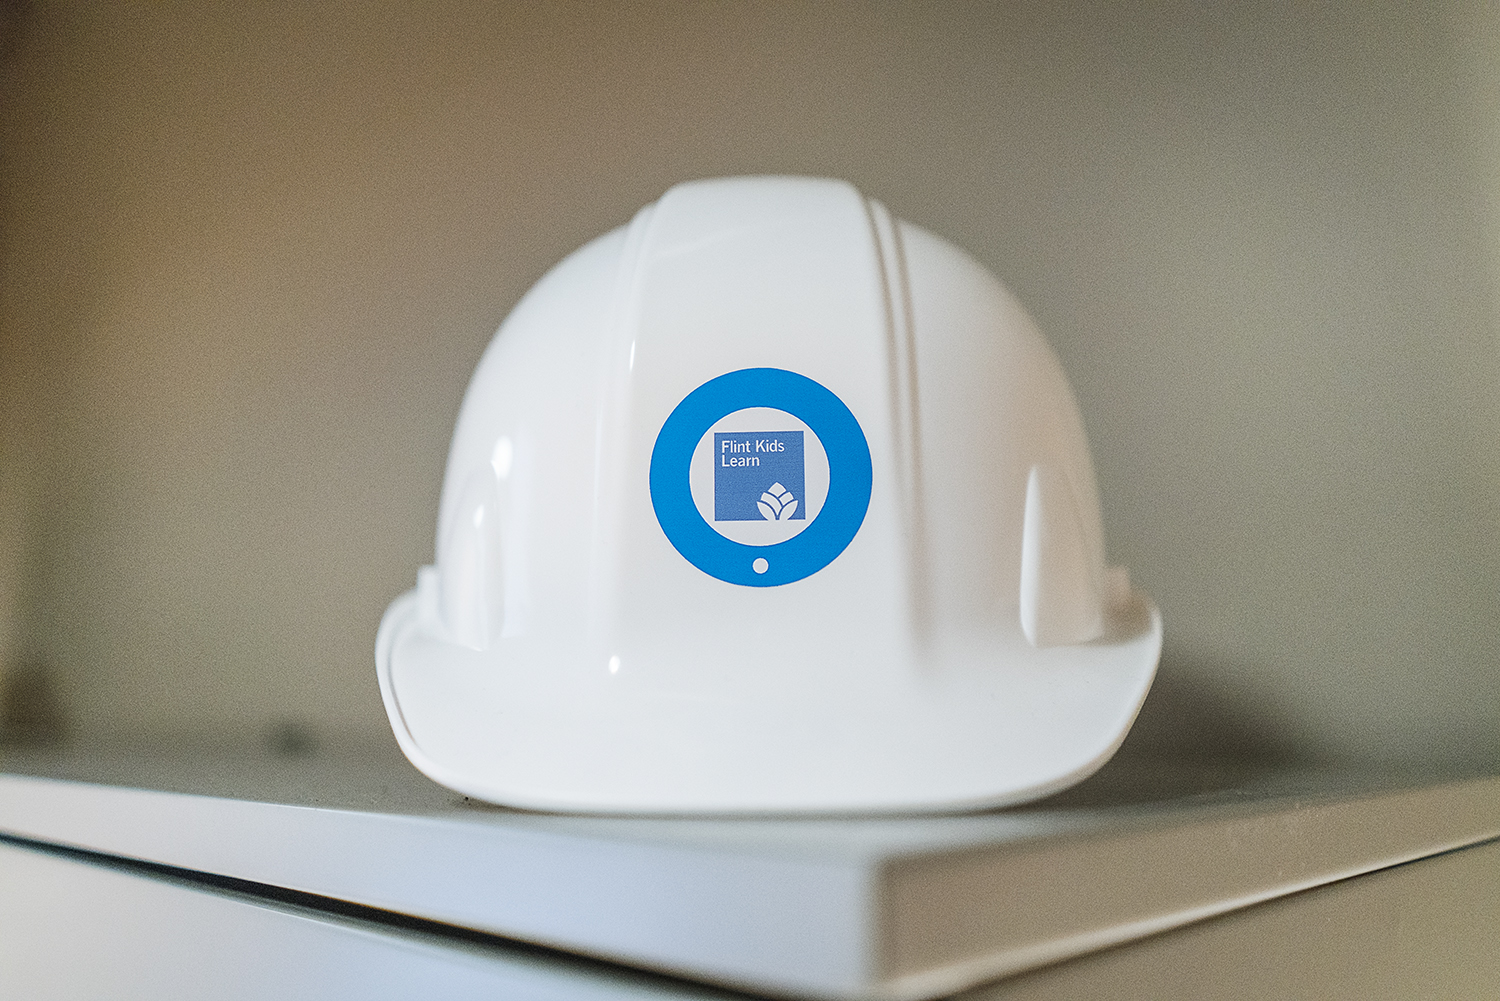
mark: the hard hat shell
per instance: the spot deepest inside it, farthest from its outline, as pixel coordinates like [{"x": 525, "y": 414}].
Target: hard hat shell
[{"x": 607, "y": 629}]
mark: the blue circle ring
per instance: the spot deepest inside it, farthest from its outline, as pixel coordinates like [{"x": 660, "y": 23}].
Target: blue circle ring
[{"x": 849, "y": 477}]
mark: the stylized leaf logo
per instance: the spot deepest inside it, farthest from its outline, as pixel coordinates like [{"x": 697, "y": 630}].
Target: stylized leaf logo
[{"x": 777, "y": 503}]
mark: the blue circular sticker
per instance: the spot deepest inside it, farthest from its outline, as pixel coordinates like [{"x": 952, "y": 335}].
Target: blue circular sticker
[{"x": 761, "y": 477}]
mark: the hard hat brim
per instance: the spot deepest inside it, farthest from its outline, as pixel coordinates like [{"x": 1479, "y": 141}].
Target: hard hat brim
[{"x": 975, "y": 730}]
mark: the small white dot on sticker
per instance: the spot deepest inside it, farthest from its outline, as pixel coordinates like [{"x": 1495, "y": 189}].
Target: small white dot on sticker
[
  {"x": 614, "y": 664},
  {"x": 760, "y": 565}
]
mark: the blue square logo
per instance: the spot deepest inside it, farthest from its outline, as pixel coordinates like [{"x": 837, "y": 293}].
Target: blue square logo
[{"x": 759, "y": 476}]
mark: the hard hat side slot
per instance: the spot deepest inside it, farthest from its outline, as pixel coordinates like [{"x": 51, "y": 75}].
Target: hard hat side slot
[
  {"x": 471, "y": 592},
  {"x": 1061, "y": 587}
]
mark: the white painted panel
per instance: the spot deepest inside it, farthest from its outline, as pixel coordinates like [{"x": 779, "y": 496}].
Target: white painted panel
[
  {"x": 892, "y": 908},
  {"x": 75, "y": 931}
]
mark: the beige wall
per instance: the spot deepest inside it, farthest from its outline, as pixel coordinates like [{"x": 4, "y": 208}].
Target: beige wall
[{"x": 250, "y": 257}]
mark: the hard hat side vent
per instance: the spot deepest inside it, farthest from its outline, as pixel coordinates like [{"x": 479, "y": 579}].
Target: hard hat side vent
[
  {"x": 471, "y": 593},
  {"x": 1061, "y": 587}
]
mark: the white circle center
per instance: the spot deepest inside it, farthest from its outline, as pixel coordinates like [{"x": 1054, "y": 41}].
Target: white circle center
[{"x": 759, "y": 476}]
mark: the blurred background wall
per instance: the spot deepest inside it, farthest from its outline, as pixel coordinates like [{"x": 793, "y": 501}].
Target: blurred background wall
[{"x": 251, "y": 253}]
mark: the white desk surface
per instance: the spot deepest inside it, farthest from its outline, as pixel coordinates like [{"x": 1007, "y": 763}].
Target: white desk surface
[{"x": 890, "y": 908}]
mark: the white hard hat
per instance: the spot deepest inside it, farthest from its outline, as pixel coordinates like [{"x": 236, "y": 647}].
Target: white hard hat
[{"x": 767, "y": 502}]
